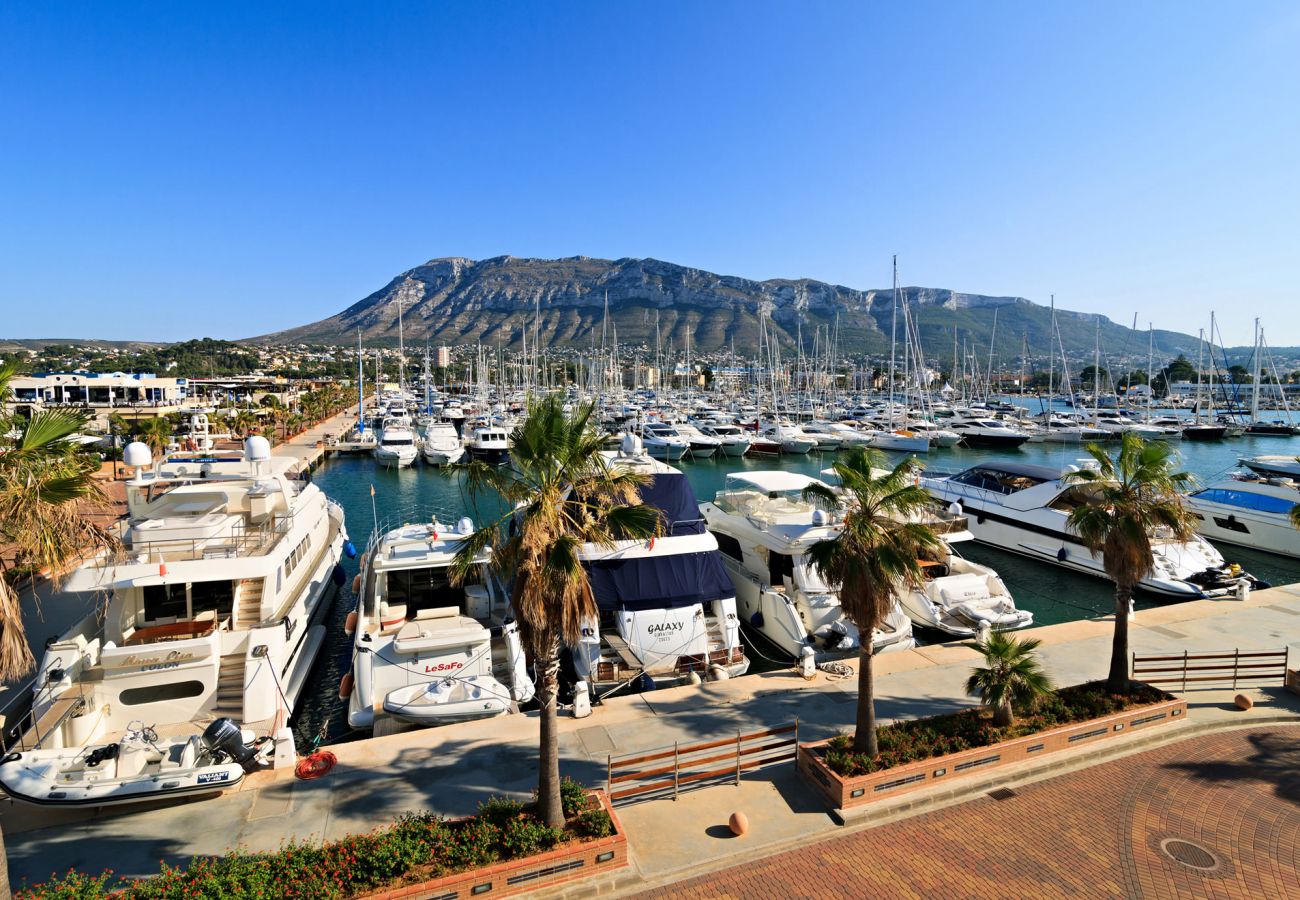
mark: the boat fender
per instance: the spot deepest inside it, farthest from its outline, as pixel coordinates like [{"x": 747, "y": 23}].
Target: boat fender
[
  {"x": 756, "y": 620},
  {"x": 349, "y": 550},
  {"x": 1062, "y": 555},
  {"x": 350, "y": 623},
  {"x": 345, "y": 684},
  {"x": 644, "y": 682},
  {"x": 356, "y": 583},
  {"x": 338, "y": 576},
  {"x": 12, "y": 757}
]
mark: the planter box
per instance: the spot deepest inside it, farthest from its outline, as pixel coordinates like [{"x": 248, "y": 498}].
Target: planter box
[
  {"x": 1293, "y": 680},
  {"x": 846, "y": 793},
  {"x": 574, "y": 860}
]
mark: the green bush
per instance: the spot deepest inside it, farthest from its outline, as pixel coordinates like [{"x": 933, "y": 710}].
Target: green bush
[
  {"x": 593, "y": 823},
  {"x": 914, "y": 740},
  {"x": 414, "y": 848},
  {"x": 573, "y": 797}
]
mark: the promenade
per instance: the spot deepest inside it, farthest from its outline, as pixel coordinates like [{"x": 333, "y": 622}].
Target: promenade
[{"x": 450, "y": 770}]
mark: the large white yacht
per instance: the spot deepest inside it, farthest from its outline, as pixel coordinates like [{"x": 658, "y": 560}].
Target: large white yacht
[
  {"x": 1273, "y": 466},
  {"x": 1023, "y": 508},
  {"x": 1249, "y": 511},
  {"x": 490, "y": 444},
  {"x": 426, "y": 652},
  {"x": 732, "y": 440},
  {"x": 442, "y": 444},
  {"x": 396, "y": 444},
  {"x": 214, "y": 608},
  {"x": 662, "y": 440},
  {"x": 667, "y": 608},
  {"x": 988, "y": 432},
  {"x": 764, "y": 527}
]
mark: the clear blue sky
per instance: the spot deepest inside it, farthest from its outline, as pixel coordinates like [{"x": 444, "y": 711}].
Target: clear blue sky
[{"x": 173, "y": 170}]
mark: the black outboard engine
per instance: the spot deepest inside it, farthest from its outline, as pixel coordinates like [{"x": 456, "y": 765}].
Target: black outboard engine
[{"x": 224, "y": 738}]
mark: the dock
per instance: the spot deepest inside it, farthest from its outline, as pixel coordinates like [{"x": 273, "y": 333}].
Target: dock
[{"x": 450, "y": 770}]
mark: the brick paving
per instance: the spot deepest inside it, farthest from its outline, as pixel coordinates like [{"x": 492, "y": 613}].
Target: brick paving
[{"x": 1093, "y": 833}]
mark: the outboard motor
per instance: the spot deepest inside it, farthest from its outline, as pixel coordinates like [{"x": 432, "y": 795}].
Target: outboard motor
[{"x": 225, "y": 737}]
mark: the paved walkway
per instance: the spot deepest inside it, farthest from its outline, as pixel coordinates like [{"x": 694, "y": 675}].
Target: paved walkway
[
  {"x": 1228, "y": 805},
  {"x": 451, "y": 770}
]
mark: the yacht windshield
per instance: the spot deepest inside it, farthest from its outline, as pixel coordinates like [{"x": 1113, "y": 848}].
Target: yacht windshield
[{"x": 999, "y": 480}]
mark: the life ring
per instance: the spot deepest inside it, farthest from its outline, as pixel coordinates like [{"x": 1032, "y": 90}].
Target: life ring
[
  {"x": 315, "y": 765},
  {"x": 345, "y": 686},
  {"x": 350, "y": 623}
]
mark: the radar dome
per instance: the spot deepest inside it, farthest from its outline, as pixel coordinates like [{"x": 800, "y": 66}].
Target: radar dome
[
  {"x": 465, "y": 525},
  {"x": 257, "y": 449},
  {"x": 631, "y": 445},
  {"x": 137, "y": 455}
]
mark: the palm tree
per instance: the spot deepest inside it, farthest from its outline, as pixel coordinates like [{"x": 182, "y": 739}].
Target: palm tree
[
  {"x": 874, "y": 555},
  {"x": 1012, "y": 675},
  {"x": 155, "y": 431},
  {"x": 46, "y": 486},
  {"x": 559, "y": 493},
  {"x": 1121, "y": 504}
]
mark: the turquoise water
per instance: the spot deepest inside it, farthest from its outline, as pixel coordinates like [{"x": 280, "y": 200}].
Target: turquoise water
[{"x": 1052, "y": 594}]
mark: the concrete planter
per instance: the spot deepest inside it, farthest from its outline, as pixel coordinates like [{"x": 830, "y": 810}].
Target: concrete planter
[
  {"x": 845, "y": 793},
  {"x": 1293, "y": 680},
  {"x": 569, "y": 862}
]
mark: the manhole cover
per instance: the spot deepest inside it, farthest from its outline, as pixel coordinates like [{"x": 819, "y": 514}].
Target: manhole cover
[
  {"x": 1002, "y": 794},
  {"x": 1188, "y": 854}
]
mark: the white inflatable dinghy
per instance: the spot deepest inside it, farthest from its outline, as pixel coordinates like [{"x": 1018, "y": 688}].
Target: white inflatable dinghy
[
  {"x": 449, "y": 700},
  {"x": 137, "y": 768}
]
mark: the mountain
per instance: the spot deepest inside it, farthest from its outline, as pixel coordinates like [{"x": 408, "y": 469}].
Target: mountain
[{"x": 458, "y": 301}]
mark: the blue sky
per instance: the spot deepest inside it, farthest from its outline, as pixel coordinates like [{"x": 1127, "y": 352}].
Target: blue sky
[{"x": 174, "y": 170}]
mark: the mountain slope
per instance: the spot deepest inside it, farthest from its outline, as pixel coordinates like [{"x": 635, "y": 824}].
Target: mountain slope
[{"x": 458, "y": 301}]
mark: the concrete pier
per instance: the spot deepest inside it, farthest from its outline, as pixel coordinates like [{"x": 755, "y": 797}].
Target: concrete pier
[{"x": 451, "y": 770}]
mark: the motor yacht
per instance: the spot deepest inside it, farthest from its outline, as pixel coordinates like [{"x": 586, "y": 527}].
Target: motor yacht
[
  {"x": 489, "y": 444},
  {"x": 1023, "y": 508},
  {"x": 425, "y": 651},
  {"x": 1277, "y": 466},
  {"x": 215, "y": 603},
  {"x": 789, "y": 438},
  {"x": 1249, "y": 510},
  {"x": 702, "y": 446},
  {"x": 396, "y": 443},
  {"x": 662, "y": 441},
  {"x": 764, "y": 528},
  {"x": 981, "y": 432},
  {"x": 732, "y": 440},
  {"x": 442, "y": 444},
  {"x": 901, "y": 440},
  {"x": 1062, "y": 430},
  {"x": 938, "y": 436},
  {"x": 667, "y": 608}
]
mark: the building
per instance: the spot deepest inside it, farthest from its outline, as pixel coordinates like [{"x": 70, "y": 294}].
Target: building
[
  {"x": 442, "y": 357},
  {"x": 98, "y": 389}
]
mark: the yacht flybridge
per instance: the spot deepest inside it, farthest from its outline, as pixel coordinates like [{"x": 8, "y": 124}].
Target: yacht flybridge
[
  {"x": 214, "y": 607},
  {"x": 1023, "y": 508},
  {"x": 667, "y": 608},
  {"x": 426, "y": 652},
  {"x": 764, "y": 527}
]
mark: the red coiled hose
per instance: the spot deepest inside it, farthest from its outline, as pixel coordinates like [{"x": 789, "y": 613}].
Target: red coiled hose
[{"x": 314, "y": 765}]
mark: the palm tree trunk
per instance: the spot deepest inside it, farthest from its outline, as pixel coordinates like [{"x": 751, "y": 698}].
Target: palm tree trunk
[
  {"x": 548, "y": 763},
  {"x": 864, "y": 737},
  {"x": 1117, "y": 681},
  {"x": 1003, "y": 715}
]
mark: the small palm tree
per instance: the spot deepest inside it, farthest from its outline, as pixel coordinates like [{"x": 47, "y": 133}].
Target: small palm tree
[
  {"x": 1012, "y": 675},
  {"x": 560, "y": 493},
  {"x": 1121, "y": 504},
  {"x": 156, "y": 432},
  {"x": 874, "y": 555}
]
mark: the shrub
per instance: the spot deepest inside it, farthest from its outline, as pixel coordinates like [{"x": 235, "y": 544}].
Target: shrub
[
  {"x": 526, "y": 835},
  {"x": 573, "y": 797},
  {"x": 499, "y": 810},
  {"x": 593, "y": 823}
]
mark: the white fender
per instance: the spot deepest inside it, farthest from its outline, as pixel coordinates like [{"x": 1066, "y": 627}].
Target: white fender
[{"x": 521, "y": 686}]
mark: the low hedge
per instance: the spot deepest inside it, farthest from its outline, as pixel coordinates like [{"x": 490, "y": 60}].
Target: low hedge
[
  {"x": 917, "y": 739},
  {"x": 415, "y": 848}
]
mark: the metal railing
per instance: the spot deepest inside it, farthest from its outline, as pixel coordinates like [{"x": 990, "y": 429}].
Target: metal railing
[
  {"x": 670, "y": 770},
  {"x": 243, "y": 540},
  {"x": 1190, "y": 671}
]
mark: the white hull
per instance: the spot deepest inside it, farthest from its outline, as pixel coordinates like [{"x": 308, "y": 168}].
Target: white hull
[
  {"x": 443, "y": 457},
  {"x": 394, "y": 457}
]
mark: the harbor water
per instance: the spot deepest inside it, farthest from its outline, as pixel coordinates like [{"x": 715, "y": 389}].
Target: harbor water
[{"x": 1053, "y": 594}]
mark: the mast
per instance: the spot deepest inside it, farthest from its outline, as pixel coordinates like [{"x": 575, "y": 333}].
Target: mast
[
  {"x": 893, "y": 339},
  {"x": 1254, "y": 373},
  {"x": 1051, "y": 362},
  {"x": 401, "y": 347},
  {"x": 361, "y": 388}
]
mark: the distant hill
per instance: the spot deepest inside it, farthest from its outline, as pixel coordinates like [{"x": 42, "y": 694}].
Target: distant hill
[
  {"x": 458, "y": 301},
  {"x": 11, "y": 344}
]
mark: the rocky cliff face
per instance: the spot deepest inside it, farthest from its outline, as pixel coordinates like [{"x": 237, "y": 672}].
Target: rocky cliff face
[{"x": 458, "y": 301}]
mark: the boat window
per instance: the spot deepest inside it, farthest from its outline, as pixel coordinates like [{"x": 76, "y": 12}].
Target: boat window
[
  {"x": 161, "y": 693},
  {"x": 212, "y": 595},
  {"x": 1246, "y": 500},
  {"x": 995, "y": 480},
  {"x": 164, "y": 601},
  {"x": 1068, "y": 500},
  {"x": 424, "y": 589},
  {"x": 729, "y": 545}
]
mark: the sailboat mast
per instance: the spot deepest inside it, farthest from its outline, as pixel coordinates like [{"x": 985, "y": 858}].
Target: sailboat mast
[
  {"x": 1254, "y": 377},
  {"x": 361, "y": 387},
  {"x": 893, "y": 339}
]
